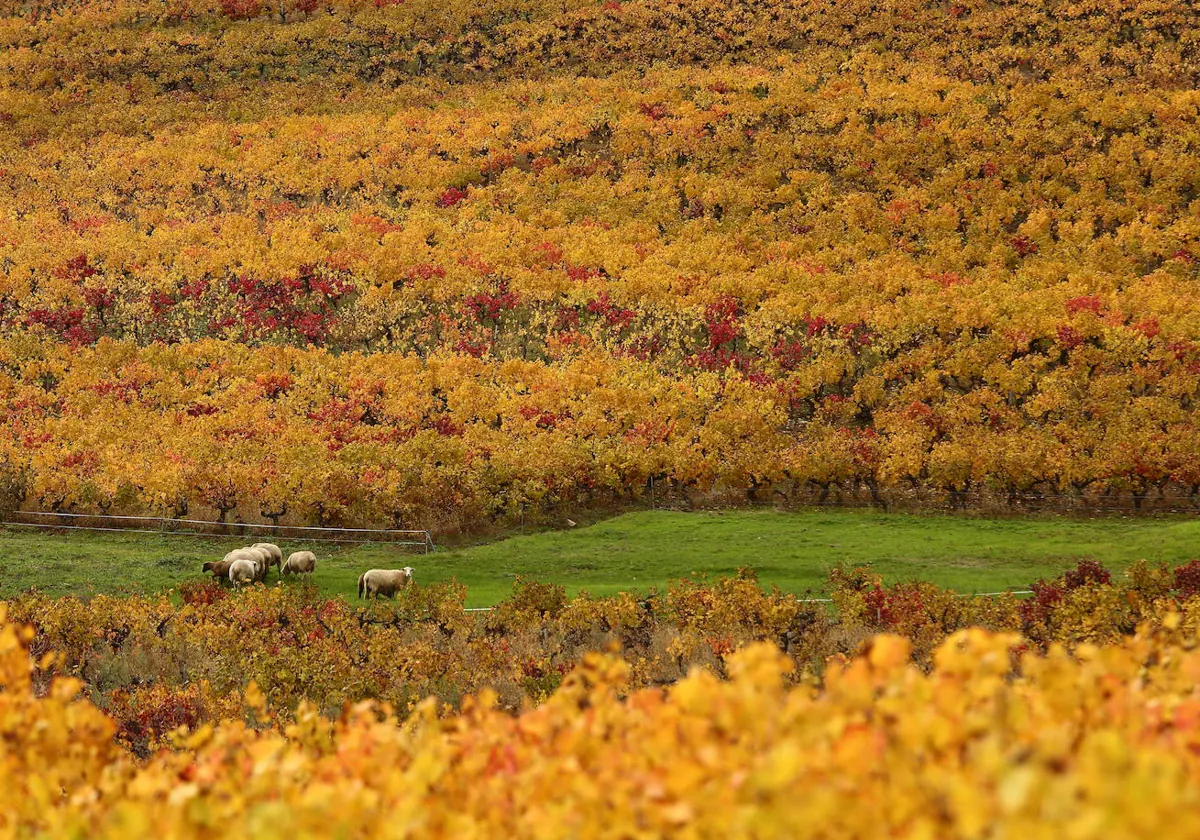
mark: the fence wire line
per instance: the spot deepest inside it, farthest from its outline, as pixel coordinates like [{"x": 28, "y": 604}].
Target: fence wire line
[
  {"x": 164, "y": 519},
  {"x": 306, "y": 539},
  {"x": 979, "y": 500}
]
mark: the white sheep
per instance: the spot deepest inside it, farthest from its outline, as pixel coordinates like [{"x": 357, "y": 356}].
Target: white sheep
[
  {"x": 233, "y": 555},
  {"x": 242, "y": 570},
  {"x": 257, "y": 556},
  {"x": 276, "y": 555},
  {"x": 299, "y": 562},
  {"x": 384, "y": 581},
  {"x": 262, "y": 559}
]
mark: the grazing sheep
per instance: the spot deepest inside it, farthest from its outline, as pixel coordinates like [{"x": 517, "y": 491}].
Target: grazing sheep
[
  {"x": 242, "y": 571},
  {"x": 262, "y": 559},
  {"x": 276, "y": 556},
  {"x": 384, "y": 582},
  {"x": 300, "y": 562},
  {"x": 219, "y": 568},
  {"x": 257, "y": 556},
  {"x": 236, "y": 554}
]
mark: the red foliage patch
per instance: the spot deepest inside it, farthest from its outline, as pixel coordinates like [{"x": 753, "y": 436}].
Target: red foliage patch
[
  {"x": 241, "y": 9},
  {"x": 655, "y": 111},
  {"x": 1187, "y": 579},
  {"x": 721, "y": 322},
  {"x": 1087, "y": 573},
  {"x": 1069, "y": 337},
  {"x": 1085, "y": 303},
  {"x": 790, "y": 354},
  {"x": 1023, "y": 245},
  {"x": 451, "y": 197},
  {"x": 487, "y": 307},
  {"x": 201, "y": 592},
  {"x": 614, "y": 315}
]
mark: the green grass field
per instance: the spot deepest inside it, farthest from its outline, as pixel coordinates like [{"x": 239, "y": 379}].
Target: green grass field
[{"x": 642, "y": 550}]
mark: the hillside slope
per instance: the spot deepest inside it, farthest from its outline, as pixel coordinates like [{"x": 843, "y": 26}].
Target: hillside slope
[{"x": 432, "y": 264}]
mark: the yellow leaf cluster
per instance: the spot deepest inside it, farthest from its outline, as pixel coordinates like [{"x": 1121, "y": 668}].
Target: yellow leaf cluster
[{"x": 984, "y": 744}]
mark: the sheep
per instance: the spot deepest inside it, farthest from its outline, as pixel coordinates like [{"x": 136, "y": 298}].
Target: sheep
[
  {"x": 276, "y": 556},
  {"x": 219, "y": 568},
  {"x": 384, "y": 582},
  {"x": 299, "y": 562},
  {"x": 257, "y": 556},
  {"x": 261, "y": 558},
  {"x": 242, "y": 570},
  {"x": 236, "y": 554}
]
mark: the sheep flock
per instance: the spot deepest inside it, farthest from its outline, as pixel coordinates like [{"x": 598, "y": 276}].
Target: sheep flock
[{"x": 252, "y": 563}]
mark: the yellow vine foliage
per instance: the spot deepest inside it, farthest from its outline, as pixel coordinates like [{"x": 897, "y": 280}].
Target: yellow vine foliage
[
  {"x": 374, "y": 261},
  {"x": 1104, "y": 741}
]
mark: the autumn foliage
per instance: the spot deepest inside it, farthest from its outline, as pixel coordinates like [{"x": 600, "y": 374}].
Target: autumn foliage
[
  {"x": 445, "y": 263},
  {"x": 972, "y": 731},
  {"x": 153, "y": 664},
  {"x": 433, "y": 263}
]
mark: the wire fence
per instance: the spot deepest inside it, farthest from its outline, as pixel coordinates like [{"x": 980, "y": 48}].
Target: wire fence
[
  {"x": 798, "y": 494},
  {"x": 997, "y": 504},
  {"x": 175, "y": 527}
]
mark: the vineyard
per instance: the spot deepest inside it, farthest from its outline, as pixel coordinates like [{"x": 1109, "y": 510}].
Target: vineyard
[
  {"x": 715, "y": 706},
  {"x": 422, "y": 264},
  {"x": 477, "y": 267}
]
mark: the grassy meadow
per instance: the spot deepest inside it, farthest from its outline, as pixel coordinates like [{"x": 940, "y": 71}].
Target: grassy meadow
[{"x": 794, "y": 551}]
